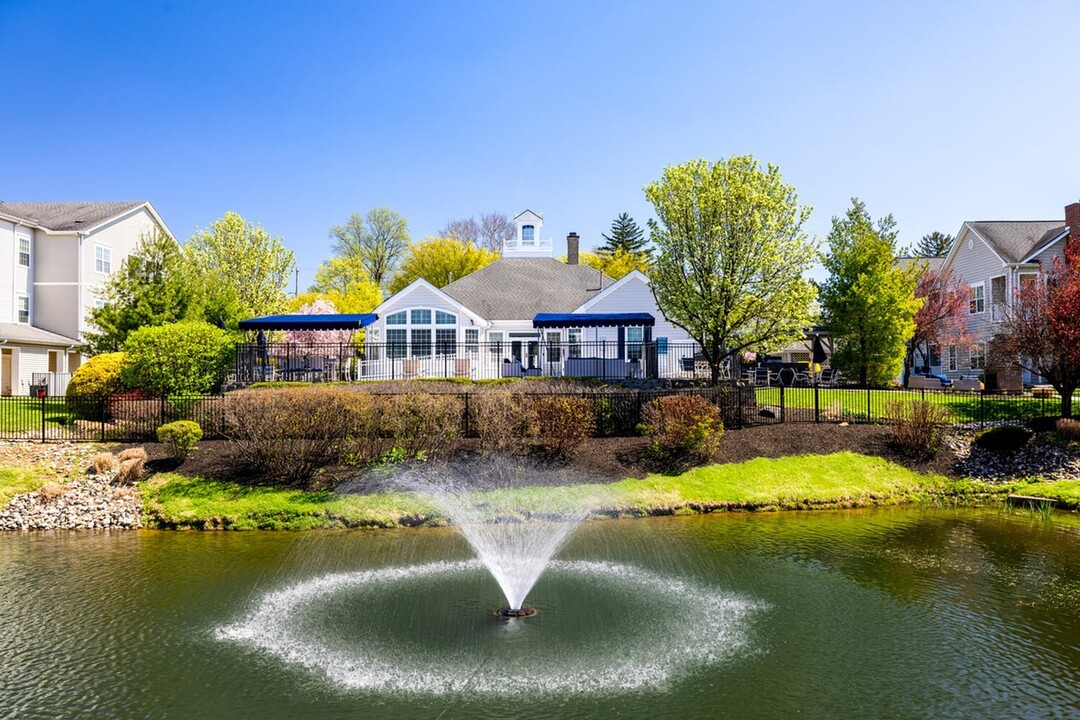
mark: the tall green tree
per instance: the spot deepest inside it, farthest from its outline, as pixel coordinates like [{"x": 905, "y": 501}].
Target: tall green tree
[
  {"x": 868, "y": 302},
  {"x": 731, "y": 253},
  {"x": 154, "y": 286},
  {"x": 244, "y": 270},
  {"x": 377, "y": 240},
  {"x": 440, "y": 261},
  {"x": 625, "y": 235},
  {"x": 935, "y": 244}
]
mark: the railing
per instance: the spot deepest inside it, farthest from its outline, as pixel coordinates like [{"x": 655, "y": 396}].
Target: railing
[
  {"x": 56, "y": 382},
  {"x": 342, "y": 362},
  {"x": 618, "y": 412}
]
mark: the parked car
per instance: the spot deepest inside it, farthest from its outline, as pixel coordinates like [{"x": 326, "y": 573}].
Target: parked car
[{"x": 945, "y": 381}]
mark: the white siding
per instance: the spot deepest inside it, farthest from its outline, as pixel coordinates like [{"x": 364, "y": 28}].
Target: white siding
[
  {"x": 975, "y": 264},
  {"x": 54, "y": 308},
  {"x": 420, "y": 297},
  {"x": 31, "y": 359},
  {"x": 7, "y": 272},
  {"x": 633, "y": 296},
  {"x": 55, "y": 258}
]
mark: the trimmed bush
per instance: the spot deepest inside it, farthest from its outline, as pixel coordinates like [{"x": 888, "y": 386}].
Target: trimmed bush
[
  {"x": 917, "y": 426},
  {"x": 682, "y": 425},
  {"x": 96, "y": 379},
  {"x": 561, "y": 423},
  {"x": 498, "y": 419},
  {"x": 420, "y": 423},
  {"x": 1004, "y": 438},
  {"x": 185, "y": 358},
  {"x": 1068, "y": 428},
  {"x": 135, "y": 453},
  {"x": 105, "y": 462},
  {"x": 180, "y": 437},
  {"x": 130, "y": 471}
]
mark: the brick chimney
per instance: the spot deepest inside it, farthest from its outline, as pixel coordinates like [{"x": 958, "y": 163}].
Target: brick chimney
[
  {"x": 1072, "y": 219},
  {"x": 573, "y": 241}
]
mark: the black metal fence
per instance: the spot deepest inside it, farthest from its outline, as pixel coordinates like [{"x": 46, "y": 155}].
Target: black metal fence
[
  {"x": 342, "y": 362},
  {"x": 133, "y": 417}
]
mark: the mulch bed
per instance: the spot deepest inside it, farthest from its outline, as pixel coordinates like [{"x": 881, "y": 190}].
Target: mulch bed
[{"x": 610, "y": 459}]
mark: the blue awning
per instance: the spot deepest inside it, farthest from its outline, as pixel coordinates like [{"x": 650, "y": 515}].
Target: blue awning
[
  {"x": 309, "y": 322},
  {"x": 582, "y": 320}
]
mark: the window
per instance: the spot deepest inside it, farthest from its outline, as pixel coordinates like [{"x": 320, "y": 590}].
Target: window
[
  {"x": 24, "y": 251},
  {"x": 102, "y": 259},
  {"x": 573, "y": 336},
  {"x": 800, "y": 357},
  {"x": 661, "y": 346},
  {"x": 634, "y": 337},
  {"x": 421, "y": 343},
  {"x": 472, "y": 340},
  {"x": 952, "y": 358},
  {"x": 445, "y": 341},
  {"x": 495, "y": 341},
  {"x": 978, "y": 356},
  {"x": 396, "y": 341},
  {"x": 977, "y": 303},
  {"x": 23, "y": 303},
  {"x": 420, "y": 317},
  {"x": 444, "y": 318},
  {"x": 397, "y": 318},
  {"x": 935, "y": 356},
  {"x": 1027, "y": 281},
  {"x": 554, "y": 346},
  {"x": 528, "y": 235}
]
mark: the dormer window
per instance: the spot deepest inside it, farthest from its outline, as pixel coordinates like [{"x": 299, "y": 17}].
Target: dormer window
[{"x": 528, "y": 234}]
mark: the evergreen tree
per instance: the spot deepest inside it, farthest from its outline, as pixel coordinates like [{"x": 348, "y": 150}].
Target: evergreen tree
[
  {"x": 153, "y": 286},
  {"x": 625, "y": 235},
  {"x": 868, "y": 302},
  {"x": 935, "y": 244}
]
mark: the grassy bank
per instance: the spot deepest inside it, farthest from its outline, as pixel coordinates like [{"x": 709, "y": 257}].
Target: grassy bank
[
  {"x": 17, "y": 481},
  {"x": 814, "y": 481}
]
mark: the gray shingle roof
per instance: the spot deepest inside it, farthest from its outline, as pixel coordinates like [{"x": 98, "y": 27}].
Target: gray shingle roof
[
  {"x": 1016, "y": 240},
  {"x": 518, "y": 288},
  {"x": 63, "y": 216},
  {"x": 14, "y": 333}
]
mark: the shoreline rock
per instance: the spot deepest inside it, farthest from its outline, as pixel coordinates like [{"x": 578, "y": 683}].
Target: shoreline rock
[{"x": 81, "y": 505}]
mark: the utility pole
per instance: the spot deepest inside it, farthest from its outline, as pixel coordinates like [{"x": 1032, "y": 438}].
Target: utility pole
[{"x": 296, "y": 283}]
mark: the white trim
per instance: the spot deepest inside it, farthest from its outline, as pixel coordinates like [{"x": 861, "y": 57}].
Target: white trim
[
  {"x": 422, "y": 283},
  {"x": 981, "y": 284},
  {"x": 612, "y": 287},
  {"x": 1044, "y": 248},
  {"x": 55, "y": 282},
  {"x": 106, "y": 246}
]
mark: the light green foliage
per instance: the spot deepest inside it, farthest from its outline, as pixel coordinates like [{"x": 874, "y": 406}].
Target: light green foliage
[
  {"x": 19, "y": 481},
  {"x": 344, "y": 281},
  {"x": 244, "y": 270},
  {"x": 625, "y": 235},
  {"x": 97, "y": 378},
  {"x": 868, "y": 303},
  {"x": 731, "y": 253},
  {"x": 440, "y": 261},
  {"x": 153, "y": 286},
  {"x": 180, "y": 437},
  {"x": 187, "y": 358},
  {"x": 615, "y": 264},
  {"x": 377, "y": 241}
]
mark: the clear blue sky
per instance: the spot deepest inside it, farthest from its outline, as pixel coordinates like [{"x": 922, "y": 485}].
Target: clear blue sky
[{"x": 298, "y": 114}]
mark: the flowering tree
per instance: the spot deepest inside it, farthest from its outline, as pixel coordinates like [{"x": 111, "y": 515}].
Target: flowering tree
[
  {"x": 1041, "y": 329},
  {"x": 942, "y": 317},
  {"x": 316, "y": 337}
]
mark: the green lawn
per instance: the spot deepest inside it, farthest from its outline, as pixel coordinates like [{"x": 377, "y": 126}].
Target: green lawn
[
  {"x": 17, "y": 481},
  {"x": 839, "y": 480},
  {"x": 965, "y": 407},
  {"x": 18, "y": 414}
]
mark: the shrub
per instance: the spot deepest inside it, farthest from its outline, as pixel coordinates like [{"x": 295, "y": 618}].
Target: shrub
[
  {"x": 105, "y": 462},
  {"x": 1068, "y": 428},
  {"x": 1004, "y": 438},
  {"x": 185, "y": 358},
  {"x": 288, "y": 434},
  {"x": 421, "y": 423},
  {"x": 137, "y": 411},
  {"x": 96, "y": 379},
  {"x": 130, "y": 471},
  {"x": 179, "y": 437},
  {"x": 682, "y": 425},
  {"x": 52, "y": 491},
  {"x": 498, "y": 421},
  {"x": 561, "y": 423},
  {"x": 135, "y": 453},
  {"x": 917, "y": 426}
]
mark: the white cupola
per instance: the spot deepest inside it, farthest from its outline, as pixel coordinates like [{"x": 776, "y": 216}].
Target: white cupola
[{"x": 528, "y": 241}]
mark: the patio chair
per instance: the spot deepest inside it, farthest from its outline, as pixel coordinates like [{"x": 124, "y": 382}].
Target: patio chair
[
  {"x": 462, "y": 367},
  {"x": 410, "y": 368}
]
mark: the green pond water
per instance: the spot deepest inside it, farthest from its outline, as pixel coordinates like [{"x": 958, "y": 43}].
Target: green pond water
[{"x": 898, "y": 613}]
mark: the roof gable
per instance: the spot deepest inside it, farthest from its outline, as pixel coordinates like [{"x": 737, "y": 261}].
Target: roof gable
[
  {"x": 632, "y": 276},
  {"x": 1016, "y": 240},
  {"x": 421, "y": 283}
]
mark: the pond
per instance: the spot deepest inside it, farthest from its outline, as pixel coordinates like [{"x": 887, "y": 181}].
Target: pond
[{"x": 886, "y": 613}]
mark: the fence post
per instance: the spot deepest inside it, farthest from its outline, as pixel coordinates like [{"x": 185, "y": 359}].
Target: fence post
[
  {"x": 43, "y": 416},
  {"x": 781, "y": 403},
  {"x": 817, "y": 405},
  {"x": 102, "y": 419},
  {"x": 466, "y": 433},
  {"x": 868, "y": 417},
  {"x": 982, "y": 415}
]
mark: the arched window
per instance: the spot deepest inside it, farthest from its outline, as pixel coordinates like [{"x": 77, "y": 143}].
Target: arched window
[
  {"x": 528, "y": 233},
  {"x": 415, "y": 335}
]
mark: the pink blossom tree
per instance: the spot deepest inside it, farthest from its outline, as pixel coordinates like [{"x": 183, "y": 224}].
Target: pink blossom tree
[{"x": 317, "y": 337}]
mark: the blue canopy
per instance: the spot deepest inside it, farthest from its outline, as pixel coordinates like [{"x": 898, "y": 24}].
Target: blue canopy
[
  {"x": 569, "y": 320},
  {"x": 309, "y": 322}
]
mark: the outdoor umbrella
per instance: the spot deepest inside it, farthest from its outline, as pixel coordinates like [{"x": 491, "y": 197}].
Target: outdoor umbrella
[{"x": 819, "y": 352}]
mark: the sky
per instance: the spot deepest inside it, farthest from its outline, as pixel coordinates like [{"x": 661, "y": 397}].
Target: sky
[{"x": 297, "y": 115}]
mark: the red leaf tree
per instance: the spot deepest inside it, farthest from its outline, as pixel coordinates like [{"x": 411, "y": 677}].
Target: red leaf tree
[
  {"x": 942, "y": 317},
  {"x": 1042, "y": 328}
]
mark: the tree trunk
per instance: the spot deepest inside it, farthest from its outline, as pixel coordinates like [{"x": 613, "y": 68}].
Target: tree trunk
[{"x": 1066, "y": 399}]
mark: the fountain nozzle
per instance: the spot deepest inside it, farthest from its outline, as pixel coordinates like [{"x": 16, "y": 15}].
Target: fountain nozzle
[{"x": 524, "y": 611}]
